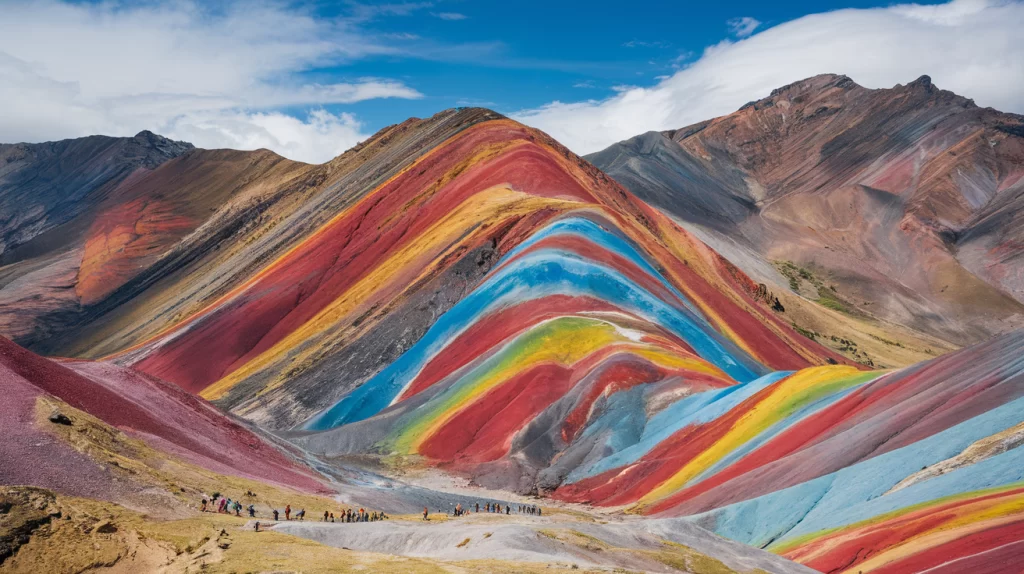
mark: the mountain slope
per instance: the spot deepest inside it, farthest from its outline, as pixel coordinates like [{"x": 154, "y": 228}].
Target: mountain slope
[
  {"x": 462, "y": 292},
  {"x": 107, "y": 209},
  {"x": 159, "y": 413},
  {"x": 46, "y": 185},
  {"x": 901, "y": 197}
]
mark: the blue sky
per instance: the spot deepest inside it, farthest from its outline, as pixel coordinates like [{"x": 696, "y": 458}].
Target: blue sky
[
  {"x": 523, "y": 54},
  {"x": 309, "y": 79}
]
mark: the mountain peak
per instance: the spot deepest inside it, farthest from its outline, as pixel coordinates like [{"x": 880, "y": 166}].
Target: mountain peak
[
  {"x": 925, "y": 81},
  {"x": 815, "y": 83},
  {"x": 162, "y": 143}
]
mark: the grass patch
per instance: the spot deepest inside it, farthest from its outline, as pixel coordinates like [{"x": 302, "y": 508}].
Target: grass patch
[
  {"x": 686, "y": 559},
  {"x": 828, "y": 295},
  {"x": 888, "y": 342},
  {"x": 812, "y": 335}
]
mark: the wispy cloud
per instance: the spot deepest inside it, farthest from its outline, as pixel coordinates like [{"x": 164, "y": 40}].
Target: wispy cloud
[
  {"x": 585, "y": 84},
  {"x": 743, "y": 27},
  {"x": 475, "y": 103},
  {"x": 217, "y": 78},
  {"x": 451, "y": 16},
  {"x": 363, "y": 12},
  {"x": 643, "y": 44},
  {"x": 969, "y": 46}
]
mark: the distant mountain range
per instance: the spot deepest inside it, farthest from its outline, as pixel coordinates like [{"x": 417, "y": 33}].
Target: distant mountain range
[
  {"x": 902, "y": 204},
  {"x": 463, "y": 292}
]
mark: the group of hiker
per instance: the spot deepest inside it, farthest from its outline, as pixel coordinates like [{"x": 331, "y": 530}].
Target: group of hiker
[
  {"x": 491, "y": 508},
  {"x": 350, "y": 515},
  {"x": 226, "y": 505}
]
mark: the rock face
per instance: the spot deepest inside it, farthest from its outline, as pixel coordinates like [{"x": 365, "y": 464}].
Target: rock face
[
  {"x": 50, "y": 194},
  {"x": 908, "y": 198},
  {"x": 46, "y": 185},
  {"x": 67, "y": 267}
]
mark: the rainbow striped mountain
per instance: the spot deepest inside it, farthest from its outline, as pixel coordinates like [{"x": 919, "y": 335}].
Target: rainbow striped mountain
[{"x": 464, "y": 292}]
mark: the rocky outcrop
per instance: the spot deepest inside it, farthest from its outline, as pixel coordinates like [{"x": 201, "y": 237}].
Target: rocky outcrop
[{"x": 906, "y": 197}]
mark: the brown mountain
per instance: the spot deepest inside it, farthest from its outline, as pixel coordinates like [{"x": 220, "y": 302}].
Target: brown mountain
[
  {"x": 85, "y": 217},
  {"x": 902, "y": 205}
]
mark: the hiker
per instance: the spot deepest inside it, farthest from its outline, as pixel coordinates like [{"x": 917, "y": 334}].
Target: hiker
[
  {"x": 252, "y": 511},
  {"x": 302, "y": 514},
  {"x": 275, "y": 515},
  {"x": 332, "y": 517},
  {"x": 238, "y": 508},
  {"x": 257, "y": 526},
  {"x": 539, "y": 511},
  {"x": 326, "y": 515},
  {"x": 508, "y": 510},
  {"x": 288, "y": 512},
  {"x": 203, "y": 509},
  {"x": 425, "y": 513}
]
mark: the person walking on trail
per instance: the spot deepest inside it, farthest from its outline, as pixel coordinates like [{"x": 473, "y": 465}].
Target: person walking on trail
[
  {"x": 425, "y": 513},
  {"x": 252, "y": 511},
  {"x": 257, "y": 526},
  {"x": 288, "y": 512},
  {"x": 276, "y": 515},
  {"x": 508, "y": 510},
  {"x": 327, "y": 515},
  {"x": 302, "y": 514},
  {"x": 203, "y": 509}
]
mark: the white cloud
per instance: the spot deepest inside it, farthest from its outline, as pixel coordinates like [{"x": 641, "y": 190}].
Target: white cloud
[
  {"x": 214, "y": 77},
  {"x": 743, "y": 27},
  {"x": 451, "y": 16},
  {"x": 320, "y": 137},
  {"x": 971, "y": 47}
]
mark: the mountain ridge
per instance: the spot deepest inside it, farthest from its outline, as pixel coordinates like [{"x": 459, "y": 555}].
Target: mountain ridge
[{"x": 872, "y": 186}]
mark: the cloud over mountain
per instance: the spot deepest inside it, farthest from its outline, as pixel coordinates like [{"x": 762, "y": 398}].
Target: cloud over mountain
[
  {"x": 967, "y": 46},
  {"x": 217, "y": 76}
]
